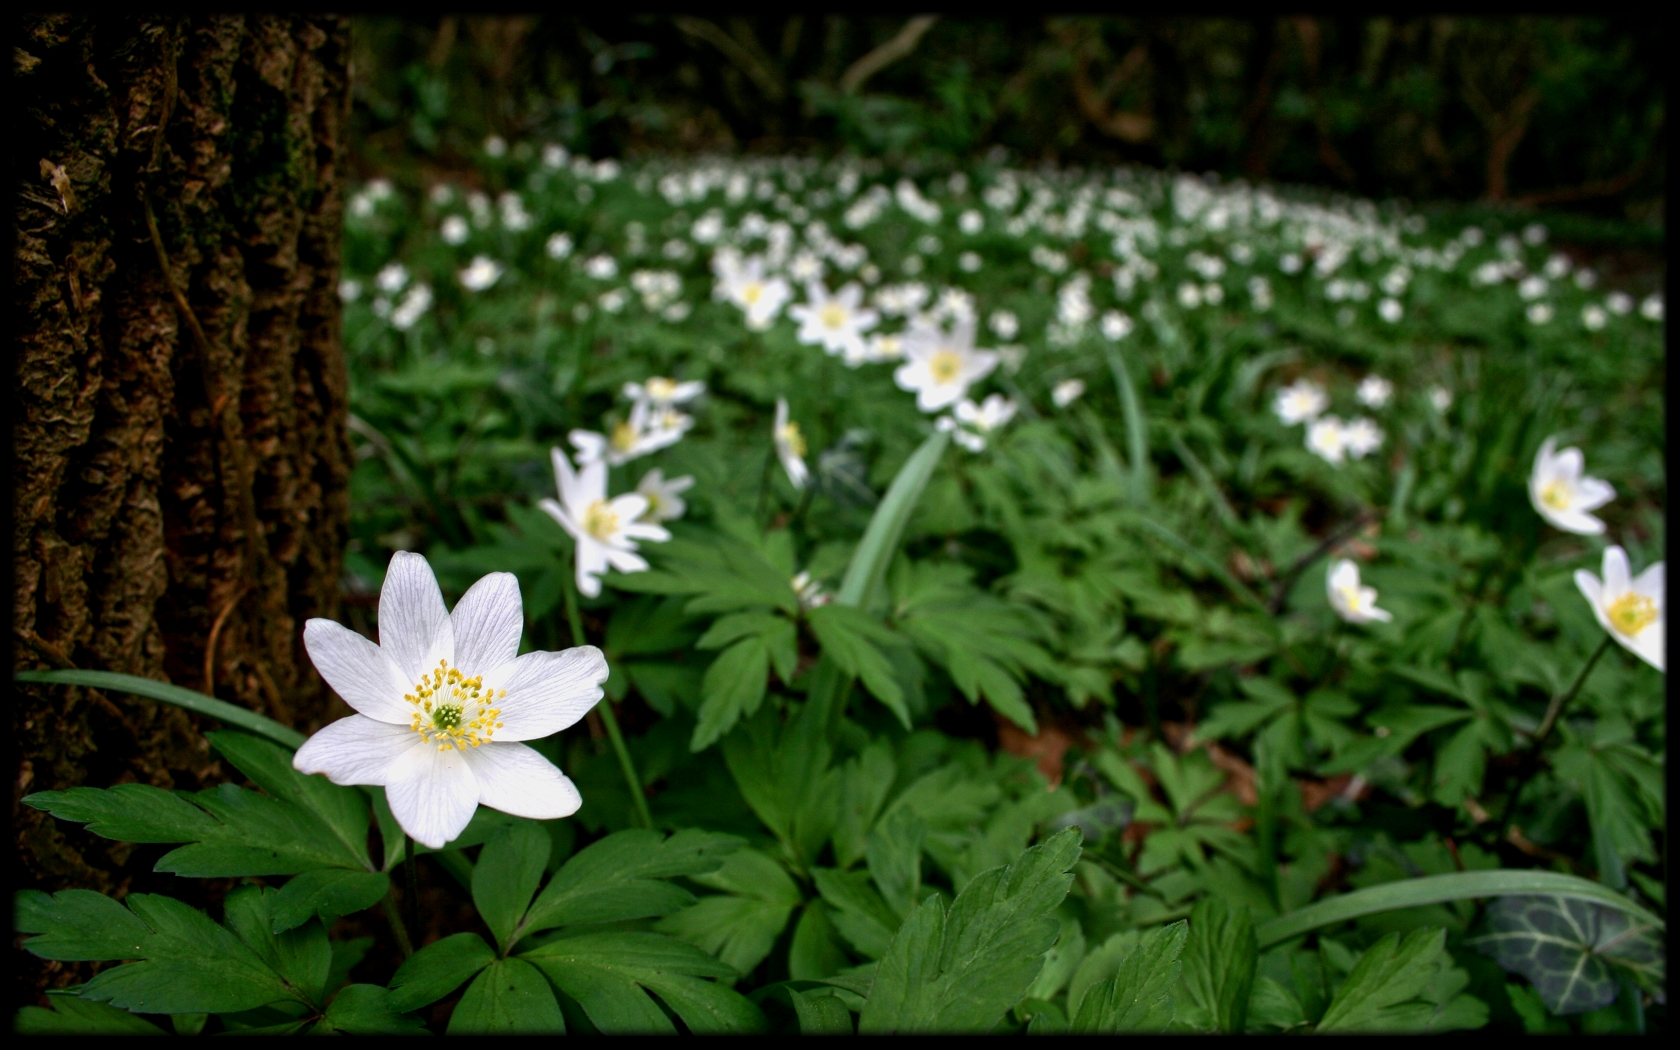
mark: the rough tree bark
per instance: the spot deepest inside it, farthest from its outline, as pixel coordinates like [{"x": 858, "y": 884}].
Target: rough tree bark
[{"x": 181, "y": 458}]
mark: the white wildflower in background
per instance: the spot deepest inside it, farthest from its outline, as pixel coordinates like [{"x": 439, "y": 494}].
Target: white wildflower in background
[
  {"x": 1189, "y": 295},
  {"x": 790, "y": 446},
  {"x": 760, "y": 297},
  {"x": 1361, "y": 437},
  {"x": 1651, "y": 308},
  {"x": 1391, "y": 311},
  {"x": 558, "y": 245},
  {"x": 454, "y": 230},
  {"x": 1532, "y": 287},
  {"x": 1629, "y": 607},
  {"x": 971, "y": 222},
  {"x": 941, "y": 364},
  {"x": 1116, "y": 325},
  {"x": 1441, "y": 398},
  {"x": 1563, "y": 494},
  {"x": 661, "y": 391},
  {"x": 349, "y": 290},
  {"x": 880, "y": 347},
  {"x": 1352, "y": 602},
  {"x": 391, "y": 278},
  {"x": 480, "y": 274},
  {"x": 1539, "y": 313},
  {"x": 601, "y": 267},
  {"x": 606, "y": 530},
  {"x": 554, "y": 156},
  {"x": 969, "y": 262},
  {"x": 972, "y": 424},
  {"x": 443, "y": 701},
  {"x": 1374, "y": 391},
  {"x": 664, "y": 498},
  {"x": 1067, "y": 392},
  {"x": 495, "y": 146},
  {"x": 1327, "y": 439},
  {"x": 1619, "y": 303},
  {"x": 1300, "y": 402},
  {"x": 809, "y": 591},
  {"x": 612, "y": 300},
  {"x": 415, "y": 302},
  {"x": 648, "y": 429},
  {"x": 835, "y": 322},
  {"x": 1593, "y": 317},
  {"x": 1003, "y": 324}
]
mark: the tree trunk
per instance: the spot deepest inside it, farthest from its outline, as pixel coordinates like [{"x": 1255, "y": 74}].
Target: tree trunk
[{"x": 181, "y": 457}]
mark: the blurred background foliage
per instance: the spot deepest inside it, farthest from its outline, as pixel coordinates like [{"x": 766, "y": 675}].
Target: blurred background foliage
[{"x": 1532, "y": 112}]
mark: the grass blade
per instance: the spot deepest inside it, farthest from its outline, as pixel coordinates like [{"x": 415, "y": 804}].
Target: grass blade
[
  {"x": 1137, "y": 429},
  {"x": 220, "y": 710},
  {"x": 886, "y": 527},
  {"x": 1437, "y": 889}
]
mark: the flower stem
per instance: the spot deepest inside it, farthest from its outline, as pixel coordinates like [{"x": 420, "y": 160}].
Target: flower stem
[
  {"x": 413, "y": 886},
  {"x": 610, "y": 720},
  {"x": 1554, "y": 710},
  {"x": 389, "y": 906}
]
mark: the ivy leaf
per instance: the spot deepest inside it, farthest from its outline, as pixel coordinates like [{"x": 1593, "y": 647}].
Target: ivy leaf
[
  {"x": 1570, "y": 949},
  {"x": 610, "y": 975},
  {"x": 508, "y": 997},
  {"x": 962, "y": 970},
  {"x": 1138, "y": 997}
]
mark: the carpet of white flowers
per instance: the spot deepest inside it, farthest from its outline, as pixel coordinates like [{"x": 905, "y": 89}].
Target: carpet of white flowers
[{"x": 812, "y": 598}]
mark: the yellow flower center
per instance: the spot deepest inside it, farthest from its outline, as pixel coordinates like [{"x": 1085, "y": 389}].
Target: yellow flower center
[
  {"x": 600, "y": 520},
  {"x": 889, "y": 346},
  {"x": 833, "y": 316},
  {"x": 661, "y": 389},
  {"x": 1350, "y": 598},
  {"x": 1632, "y": 613},
  {"x": 452, "y": 710},
  {"x": 1556, "y": 495},
  {"x": 652, "y": 505},
  {"x": 790, "y": 436},
  {"x": 624, "y": 437},
  {"x": 945, "y": 365},
  {"x": 752, "y": 292}
]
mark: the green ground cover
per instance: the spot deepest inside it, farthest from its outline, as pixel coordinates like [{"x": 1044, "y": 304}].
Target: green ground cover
[{"x": 1020, "y": 502}]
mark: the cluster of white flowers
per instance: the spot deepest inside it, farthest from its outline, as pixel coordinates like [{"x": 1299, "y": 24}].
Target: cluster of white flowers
[{"x": 1330, "y": 437}]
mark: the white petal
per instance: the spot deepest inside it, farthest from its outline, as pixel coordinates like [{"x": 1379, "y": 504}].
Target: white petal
[
  {"x": 488, "y": 621},
  {"x": 1592, "y": 588},
  {"x": 1577, "y": 521},
  {"x": 625, "y": 561},
  {"x": 413, "y": 623},
  {"x": 591, "y": 563},
  {"x": 359, "y": 671},
  {"x": 546, "y": 692},
  {"x": 558, "y": 513},
  {"x": 1569, "y": 463},
  {"x": 515, "y": 779},
  {"x": 1650, "y": 583},
  {"x": 642, "y": 530},
  {"x": 1593, "y": 493},
  {"x": 354, "y": 750},
  {"x": 432, "y": 793},
  {"x": 1648, "y": 645},
  {"x": 1617, "y": 578},
  {"x": 629, "y": 506}
]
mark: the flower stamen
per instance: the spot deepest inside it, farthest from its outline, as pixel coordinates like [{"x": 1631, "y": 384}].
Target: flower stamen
[
  {"x": 452, "y": 710},
  {"x": 1631, "y": 613}
]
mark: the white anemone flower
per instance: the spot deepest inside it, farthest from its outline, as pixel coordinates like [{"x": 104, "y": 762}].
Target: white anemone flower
[
  {"x": 1352, "y": 602},
  {"x": 942, "y": 364},
  {"x": 443, "y": 701},
  {"x": 1361, "y": 437},
  {"x": 664, "y": 499},
  {"x": 1374, "y": 391},
  {"x": 971, "y": 424},
  {"x": 1067, "y": 392},
  {"x": 1629, "y": 607},
  {"x": 836, "y": 322},
  {"x": 661, "y": 391},
  {"x": 790, "y": 446},
  {"x": 648, "y": 429},
  {"x": 1300, "y": 402},
  {"x": 761, "y": 298},
  {"x": 1563, "y": 494},
  {"x": 1327, "y": 439},
  {"x": 480, "y": 274},
  {"x": 606, "y": 530}
]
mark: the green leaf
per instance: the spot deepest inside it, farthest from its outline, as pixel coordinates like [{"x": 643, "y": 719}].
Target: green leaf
[
  {"x": 1385, "y": 992},
  {"x": 69, "y": 1015},
  {"x": 815, "y": 953},
  {"x": 327, "y": 892},
  {"x": 1436, "y": 889},
  {"x": 620, "y": 877},
  {"x": 508, "y": 997},
  {"x": 741, "y": 926},
  {"x": 302, "y": 956},
  {"x": 895, "y": 858},
  {"x": 1137, "y": 427},
  {"x": 868, "y": 779},
  {"x": 821, "y": 1012},
  {"x": 220, "y": 710},
  {"x": 510, "y": 868},
  {"x": 365, "y": 1009},
  {"x": 733, "y": 688},
  {"x": 189, "y": 963},
  {"x": 1570, "y": 949},
  {"x": 851, "y": 639},
  {"x": 1219, "y": 959},
  {"x": 1138, "y": 997},
  {"x": 783, "y": 774},
  {"x": 886, "y": 526},
  {"x": 438, "y": 969},
  {"x": 610, "y": 974},
  {"x": 963, "y": 970},
  {"x": 858, "y": 912},
  {"x": 343, "y": 810}
]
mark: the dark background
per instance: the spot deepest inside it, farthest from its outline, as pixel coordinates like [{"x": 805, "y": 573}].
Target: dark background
[{"x": 1536, "y": 112}]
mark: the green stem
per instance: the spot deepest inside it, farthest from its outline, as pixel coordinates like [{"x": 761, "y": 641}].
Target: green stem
[
  {"x": 413, "y": 885},
  {"x": 389, "y": 906},
  {"x": 1531, "y": 759},
  {"x": 610, "y": 720}
]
